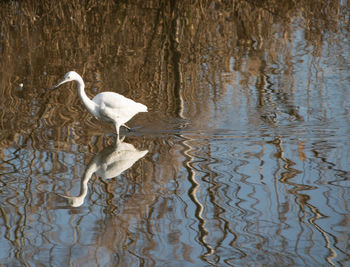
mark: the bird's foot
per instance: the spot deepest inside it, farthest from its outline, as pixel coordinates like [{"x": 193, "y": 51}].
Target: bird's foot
[{"x": 127, "y": 127}]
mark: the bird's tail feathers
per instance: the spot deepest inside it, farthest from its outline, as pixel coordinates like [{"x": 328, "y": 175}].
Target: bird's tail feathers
[{"x": 143, "y": 108}]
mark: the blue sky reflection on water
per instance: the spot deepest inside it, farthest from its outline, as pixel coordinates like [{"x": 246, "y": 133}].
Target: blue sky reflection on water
[{"x": 247, "y": 134}]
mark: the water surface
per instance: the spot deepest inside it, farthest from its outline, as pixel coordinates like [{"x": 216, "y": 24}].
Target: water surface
[{"x": 242, "y": 159}]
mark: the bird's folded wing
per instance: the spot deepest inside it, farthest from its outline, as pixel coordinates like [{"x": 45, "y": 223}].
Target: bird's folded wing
[{"x": 115, "y": 101}]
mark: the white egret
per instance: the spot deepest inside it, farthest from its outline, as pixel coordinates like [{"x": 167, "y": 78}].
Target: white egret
[
  {"x": 105, "y": 106},
  {"x": 108, "y": 163}
]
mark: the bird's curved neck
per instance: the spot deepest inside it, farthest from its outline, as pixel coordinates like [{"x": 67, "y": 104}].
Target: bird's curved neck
[
  {"x": 91, "y": 168},
  {"x": 88, "y": 103}
]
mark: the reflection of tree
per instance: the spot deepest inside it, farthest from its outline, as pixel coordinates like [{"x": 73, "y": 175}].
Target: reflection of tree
[
  {"x": 193, "y": 195},
  {"x": 164, "y": 53},
  {"x": 208, "y": 236},
  {"x": 180, "y": 58},
  {"x": 286, "y": 177}
]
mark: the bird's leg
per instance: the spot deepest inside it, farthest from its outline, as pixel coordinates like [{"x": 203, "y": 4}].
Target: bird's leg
[
  {"x": 117, "y": 129},
  {"x": 118, "y": 141},
  {"x": 127, "y": 127}
]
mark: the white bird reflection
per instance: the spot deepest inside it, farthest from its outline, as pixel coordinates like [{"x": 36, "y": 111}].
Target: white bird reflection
[{"x": 108, "y": 163}]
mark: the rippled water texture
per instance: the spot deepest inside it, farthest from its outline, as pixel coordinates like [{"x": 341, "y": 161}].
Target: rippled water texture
[{"x": 242, "y": 160}]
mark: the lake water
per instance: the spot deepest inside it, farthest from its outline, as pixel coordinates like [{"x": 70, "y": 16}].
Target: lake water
[{"x": 242, "y": 160}]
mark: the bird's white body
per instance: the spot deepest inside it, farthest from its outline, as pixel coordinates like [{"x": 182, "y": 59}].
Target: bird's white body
[
  {"x": 115, "y": 107},
  {"x": 106, "y": 106}
]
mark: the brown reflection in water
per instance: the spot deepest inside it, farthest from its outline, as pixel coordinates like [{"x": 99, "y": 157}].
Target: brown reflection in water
[
  {"x": 132, "y": 208},
  {"x": 286, "y": 177},
  {"x": 177, "y": 57},
  {"x": 41, "y": 27},
  {"x": 193, "y": 194},
  {"x": 164, "y": 54}
]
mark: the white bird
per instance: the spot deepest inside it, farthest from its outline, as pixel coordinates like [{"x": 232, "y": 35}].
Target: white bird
[
  {"x": 105, "y": 106},
  {"x": 108, "y": 163}
]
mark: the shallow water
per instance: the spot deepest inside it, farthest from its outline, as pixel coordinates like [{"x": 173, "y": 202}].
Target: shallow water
[{"x": 242, "y": 159}]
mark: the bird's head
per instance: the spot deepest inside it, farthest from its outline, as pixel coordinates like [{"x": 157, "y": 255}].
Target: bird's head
[
  {"x": 70, "y": 76},
  {"x": 74, "y": 201}
]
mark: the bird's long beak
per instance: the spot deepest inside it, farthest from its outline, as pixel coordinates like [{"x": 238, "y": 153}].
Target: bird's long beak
[{"x": 59, "y": 83}]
